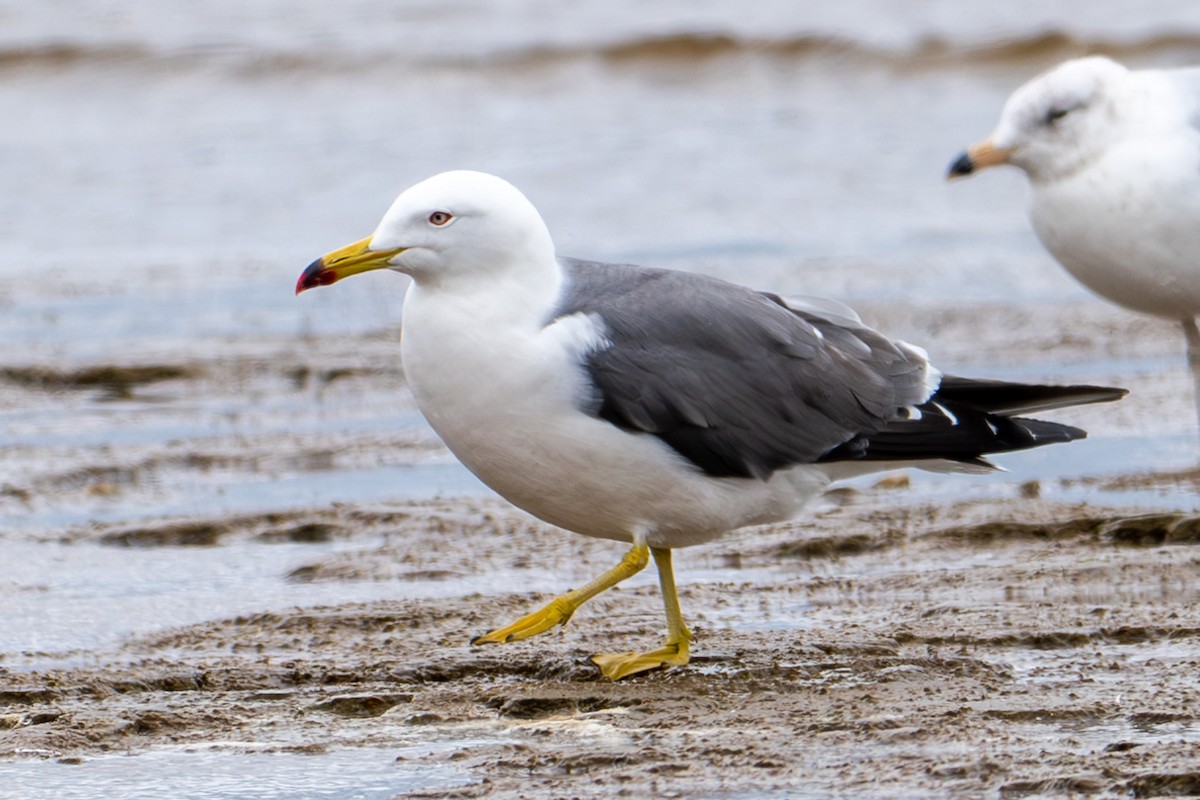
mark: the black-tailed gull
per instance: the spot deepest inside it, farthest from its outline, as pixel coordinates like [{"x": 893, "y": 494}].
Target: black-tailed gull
[
  {"x": 1113, "y": 155},
  {"x": 649, "y": 406}
]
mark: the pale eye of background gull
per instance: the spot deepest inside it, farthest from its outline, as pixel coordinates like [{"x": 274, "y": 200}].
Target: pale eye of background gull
[{"x": 1055, "y": 114}]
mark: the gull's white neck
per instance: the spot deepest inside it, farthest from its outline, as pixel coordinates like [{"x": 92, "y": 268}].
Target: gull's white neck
[{"x": 471, "y": 340}]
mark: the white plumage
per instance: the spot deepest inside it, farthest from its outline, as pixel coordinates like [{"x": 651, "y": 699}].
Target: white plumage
[{"x": 655, "y": 407}]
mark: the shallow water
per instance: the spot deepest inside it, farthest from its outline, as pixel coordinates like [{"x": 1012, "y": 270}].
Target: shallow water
[
  {"x": 225, "y": 774},
  {"x": 187, "y": 162}
]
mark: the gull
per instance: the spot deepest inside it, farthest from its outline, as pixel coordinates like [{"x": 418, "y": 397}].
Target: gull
[
  {"x": 1113, "y": 156},
  {"x": 654, "y": 407}
]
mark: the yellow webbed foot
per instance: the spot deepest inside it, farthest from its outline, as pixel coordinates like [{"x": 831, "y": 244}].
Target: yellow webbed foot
[
  {"x": 615, "y": 666},
  {"x": 560, "y": 609},
  {"x": 557, "y": 612},
  {"x": 674, "y": 653}
]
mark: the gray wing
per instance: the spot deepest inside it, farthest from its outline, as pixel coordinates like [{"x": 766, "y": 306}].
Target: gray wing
[{"x": 732, "y": 379}]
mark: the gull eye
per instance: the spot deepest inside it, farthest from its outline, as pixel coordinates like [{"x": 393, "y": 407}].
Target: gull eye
[
  {"x": 1055, "y": 114},
  {"x": 440, "y": 218}
]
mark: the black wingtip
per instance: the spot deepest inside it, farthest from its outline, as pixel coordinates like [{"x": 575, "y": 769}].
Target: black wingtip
[
  {"x": 1008, "y": 398},
  {"x": 1042, "y": 432}
]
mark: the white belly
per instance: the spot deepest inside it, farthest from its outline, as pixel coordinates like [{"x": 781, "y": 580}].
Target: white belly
[
  {"x": 506, "y": 403},
  {"x": 1128, "y": 228}
]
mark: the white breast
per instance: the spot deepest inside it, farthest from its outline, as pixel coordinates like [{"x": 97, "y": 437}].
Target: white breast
[
  {"x": 1126, "y": 226},
  {"x": 505, "y": 394}
]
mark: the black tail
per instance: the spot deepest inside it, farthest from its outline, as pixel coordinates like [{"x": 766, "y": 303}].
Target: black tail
[{"x": 967, "y": 419}]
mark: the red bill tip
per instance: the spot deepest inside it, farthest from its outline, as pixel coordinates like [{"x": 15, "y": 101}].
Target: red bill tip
[{"x": 315, "y": 275}]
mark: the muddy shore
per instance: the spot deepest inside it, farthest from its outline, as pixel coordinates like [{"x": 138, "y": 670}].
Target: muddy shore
[{"x": 975, "y": 649}]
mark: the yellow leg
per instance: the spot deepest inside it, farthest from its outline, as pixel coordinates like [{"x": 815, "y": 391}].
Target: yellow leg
[
  {"x": 560, "y": 609},
  {"x": 674, "y": 653},
  {"x": 1192, "y": 334}
]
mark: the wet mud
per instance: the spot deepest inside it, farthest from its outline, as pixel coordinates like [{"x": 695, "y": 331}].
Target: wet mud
[{"x": 883, "y": 648}]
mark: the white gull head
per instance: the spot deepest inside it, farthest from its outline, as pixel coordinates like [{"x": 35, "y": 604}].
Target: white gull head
[
  {"x": 461, "y": 224},
  {"x": 1063, "y": 121},
  {"x": 455, "y": 227}
]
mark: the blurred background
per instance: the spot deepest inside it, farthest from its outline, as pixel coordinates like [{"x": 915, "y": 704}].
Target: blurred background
[{"x": 170, "y": 167}]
